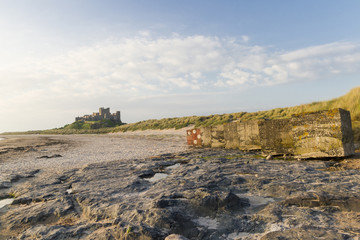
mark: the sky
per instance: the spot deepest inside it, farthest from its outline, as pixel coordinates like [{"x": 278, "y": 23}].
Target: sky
[{"x": 153, "y": 59}]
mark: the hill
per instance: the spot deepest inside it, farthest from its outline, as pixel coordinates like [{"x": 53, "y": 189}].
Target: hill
[
  {"x": 104, "y": 123},
  {"x": 350, "y": 101}
]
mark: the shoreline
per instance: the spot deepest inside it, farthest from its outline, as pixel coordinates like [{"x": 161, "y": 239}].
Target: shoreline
[{"x": 88, "y": 186}]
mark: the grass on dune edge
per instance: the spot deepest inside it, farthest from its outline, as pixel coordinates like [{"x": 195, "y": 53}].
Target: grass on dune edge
[{"x": 350, "y": 102}]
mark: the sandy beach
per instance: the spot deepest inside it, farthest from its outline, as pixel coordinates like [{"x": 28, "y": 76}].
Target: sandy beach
[
  {"x": 61, "y": 152},
  {"x": 150, "y": 185}
]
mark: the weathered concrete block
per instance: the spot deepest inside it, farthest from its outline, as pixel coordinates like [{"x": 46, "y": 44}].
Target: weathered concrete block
[
  {"x": 231, "y": 135},
  {"x": 309, "y": 135},
  {"x": 242, "y": 135},
  {"x": 322, "y": 134},
  {"x": 275, "y": 136},
  {"x": 306, "y": 135},
  {"x": 206, "y": 136},
  {"x": 249, "y": 135},
  {"x": 217, "y": 136}
]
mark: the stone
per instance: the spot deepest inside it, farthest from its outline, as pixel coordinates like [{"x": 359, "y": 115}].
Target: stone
[
  {"x": 305, "y": 233},
  {"x": 176, "y": 237},
  {"x": 314, "y": 199}
]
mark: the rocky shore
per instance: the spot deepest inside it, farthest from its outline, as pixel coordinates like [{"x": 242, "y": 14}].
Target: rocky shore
[{"x": 149, "y": 186}]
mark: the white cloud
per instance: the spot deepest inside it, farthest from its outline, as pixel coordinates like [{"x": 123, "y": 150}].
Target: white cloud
[
  {"x": 260, "y": 66},
  {"x": 136, "y": 67},
  {"x": 245, "y": 38}
]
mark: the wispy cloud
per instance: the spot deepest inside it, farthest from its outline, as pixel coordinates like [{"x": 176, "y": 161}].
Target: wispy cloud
[
  {"x": 262, "y": 66},
  {"x": 144, "y": 65},
  {"x": 173, "y": 64}
]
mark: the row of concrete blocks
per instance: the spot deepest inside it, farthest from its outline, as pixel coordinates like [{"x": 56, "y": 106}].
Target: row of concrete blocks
[{"x": 307, "y": 135}]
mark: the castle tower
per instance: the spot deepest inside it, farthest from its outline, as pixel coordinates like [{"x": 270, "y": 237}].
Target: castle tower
[
  {"x": 101, "y": 112},
  {"x": 118, "y": 116}
]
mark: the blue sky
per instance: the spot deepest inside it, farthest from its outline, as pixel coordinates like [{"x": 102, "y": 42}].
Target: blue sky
[{"x": 155, "y": 59}]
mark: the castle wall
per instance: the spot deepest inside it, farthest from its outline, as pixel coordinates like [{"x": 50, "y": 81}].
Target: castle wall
[{"x": 104, "y": 113}]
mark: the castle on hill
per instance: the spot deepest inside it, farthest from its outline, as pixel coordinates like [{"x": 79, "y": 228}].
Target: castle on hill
[{"x": 104, "y": 113}]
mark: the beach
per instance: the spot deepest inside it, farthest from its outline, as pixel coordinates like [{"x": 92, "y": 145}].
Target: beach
[
  {"x": 150, "y": 185},
  {"x": 30, "y": 152}
]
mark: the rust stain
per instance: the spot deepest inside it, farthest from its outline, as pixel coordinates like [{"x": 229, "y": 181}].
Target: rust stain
[{"x": 194, "y": 137}]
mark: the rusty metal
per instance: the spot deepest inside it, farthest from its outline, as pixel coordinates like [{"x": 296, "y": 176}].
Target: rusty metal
[{"x": 194, "y": 137}]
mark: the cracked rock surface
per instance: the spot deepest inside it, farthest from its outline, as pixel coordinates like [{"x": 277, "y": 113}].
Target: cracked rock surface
[{"x": 193, "y": 194}]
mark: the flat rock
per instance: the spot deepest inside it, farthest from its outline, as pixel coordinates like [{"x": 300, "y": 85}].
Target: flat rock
[
  {"x": 176, "y": 237},
  {"x": 206, "y": 194}
]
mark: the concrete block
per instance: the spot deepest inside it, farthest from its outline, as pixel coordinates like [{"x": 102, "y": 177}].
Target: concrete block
[
  {"x": 231, "y": 135},
  {"x": 249, "y": 135},
  {"x": 275, "y": 136},
  {"x": 306, "y": 135},
  {"x": 206, "y": 136},
  {"x": 217, "y": 136},
  {"x": 194, "y": 137},
  {"x": 322, "y": 134},
  {"x": 242, "y": 135}
]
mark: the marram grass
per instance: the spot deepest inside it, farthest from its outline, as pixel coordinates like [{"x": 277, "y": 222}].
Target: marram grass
[{"x": 350, "y": 101}]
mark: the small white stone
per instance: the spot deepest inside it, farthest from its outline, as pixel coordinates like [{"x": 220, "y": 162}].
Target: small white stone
[{"x": 176, "y": 237}]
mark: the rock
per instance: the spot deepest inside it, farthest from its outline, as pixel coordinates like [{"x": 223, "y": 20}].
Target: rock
[
  {"x": 214, "y": 194},
  {"x": 305, "y": 233},
  {"x": 52, "y": 156},
  {"x": 5, "y": 184},
  {"x": 209, "y": 202},
  {"x": 323, "y": 199},
  {"x": 176, "y": 237}
]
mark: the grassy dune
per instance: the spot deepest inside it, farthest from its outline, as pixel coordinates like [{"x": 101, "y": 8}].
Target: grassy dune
[{"x": 350, "y": 101}]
